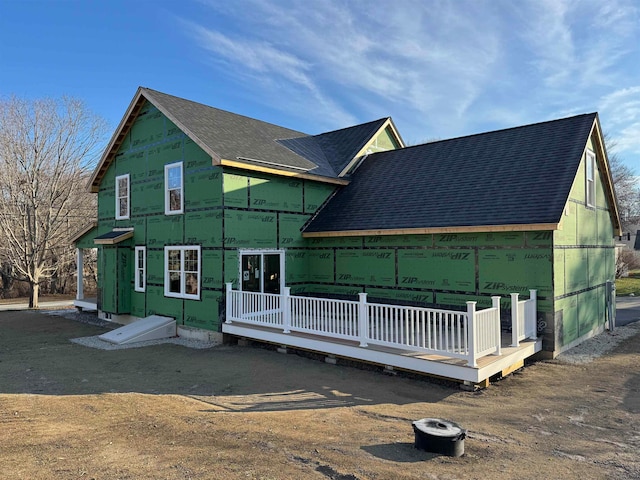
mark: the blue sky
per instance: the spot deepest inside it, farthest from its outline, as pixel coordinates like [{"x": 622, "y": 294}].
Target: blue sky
[{"x": 440, "y": 68}]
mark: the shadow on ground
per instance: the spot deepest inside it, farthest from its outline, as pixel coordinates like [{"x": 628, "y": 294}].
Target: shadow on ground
[
  {"x": 399, "y": 452},
  {"x": 38, "y": 357}
]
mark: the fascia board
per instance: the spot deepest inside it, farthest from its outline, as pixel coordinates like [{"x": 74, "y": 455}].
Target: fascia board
[{"x": 427, "y": 230}]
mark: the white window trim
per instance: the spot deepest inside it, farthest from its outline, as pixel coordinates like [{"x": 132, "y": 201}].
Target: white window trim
[
  {"x": 266, "y": 251},
  {"x": 140, "y": 252},
  {"x": 590, "y": 183},
  {"x": 182, "y": 294},
  {"x": 167, "y": 210},
  {"x": 118, "y": 197}
]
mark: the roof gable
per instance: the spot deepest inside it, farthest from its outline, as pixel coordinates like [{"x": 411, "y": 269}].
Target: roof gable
[
  {"x": 340, "y": 148},
  {"x": 243, "y": 142},
  {"x": 222, "y": 134},
  {"x": 518, "y": 178}
]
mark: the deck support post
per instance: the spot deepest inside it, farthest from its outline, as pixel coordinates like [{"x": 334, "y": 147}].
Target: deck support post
[
  {"x": 228, "y": 300},
  {"x": 285, "y": 305},
  {"x": 363, "y": 319},
  {"x": 515, "y": 320},
  {"x": 471, "y": 325},
  {"x": 495, "y": 303}
]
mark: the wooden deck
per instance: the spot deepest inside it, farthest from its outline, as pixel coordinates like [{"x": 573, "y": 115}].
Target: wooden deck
[{"x": 511, "y": 358}]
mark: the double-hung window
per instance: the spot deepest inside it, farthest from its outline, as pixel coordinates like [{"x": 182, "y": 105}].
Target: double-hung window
[
  {"x": 182, "y": 271},
  {"x": 141, "y": 269},
  {"x": 591, "y": 179},
  {"x": 173, "y": 189},
  {"x": 122, "y": 197}
]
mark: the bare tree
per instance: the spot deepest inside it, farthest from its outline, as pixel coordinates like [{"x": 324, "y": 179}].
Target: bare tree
[
  {"x": 46, "y": 149},
  {"x": 626, "y": 184}
]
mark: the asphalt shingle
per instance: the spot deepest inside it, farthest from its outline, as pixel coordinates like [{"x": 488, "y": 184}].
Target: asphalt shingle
[
  {"x": 337, "y": 148},
  {"x": 231, "y": 135},
  {"x": 521, "y": 175},
  {"x": 236, "y": 137}
]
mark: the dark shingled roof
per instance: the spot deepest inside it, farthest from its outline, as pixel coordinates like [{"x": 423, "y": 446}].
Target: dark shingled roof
[
  {"x": 520, "y": 175},
  {"x": 228, "y": 134},
  {"x": 336, "y": 148},
  {"x": 236, "y": 137},
  {"x": 247, "y": 141}
]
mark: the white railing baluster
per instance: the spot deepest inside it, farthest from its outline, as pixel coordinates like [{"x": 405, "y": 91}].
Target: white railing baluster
[
  {"x": 285, "y": 305},
  {"x": 515, "y": 320},
  {"x": 495, "y": 302},
  {"x": 444, "y": 332},
  {"x": 471, "y": 315},
  {"x": 363, "y": 320}
]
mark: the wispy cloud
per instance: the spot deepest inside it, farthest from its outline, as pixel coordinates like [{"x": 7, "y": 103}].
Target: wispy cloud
[
  {"x": 622, "y": 112},
  {"x": 440, "y": 68},
  {"x": 579, "y": 44},
  {"x": 258, "y": 62},
  {"x": 374, "y": 59}
]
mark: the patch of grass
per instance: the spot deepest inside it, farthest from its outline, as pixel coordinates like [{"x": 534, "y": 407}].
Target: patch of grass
[{"x": 628, "y": 285}]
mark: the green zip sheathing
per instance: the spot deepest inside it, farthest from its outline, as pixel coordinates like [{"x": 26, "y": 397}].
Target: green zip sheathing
[
  {"x": 584, "y": 260},
  {"x": 153, "y": 142},
  {"x": 437, "y": 269},
  {"x": 227, "y": 209},
  {"x": 224, "y": 210}
]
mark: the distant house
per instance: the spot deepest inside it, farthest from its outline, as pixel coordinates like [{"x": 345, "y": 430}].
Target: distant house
[
  {"x": 191, "y": 197},
  {"x": 631, "y": 237}
]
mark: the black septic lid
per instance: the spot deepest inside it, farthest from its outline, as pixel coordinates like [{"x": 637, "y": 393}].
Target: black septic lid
[
  {"x": 439, "y": 427},
  {"x": 439, "y": 436}
]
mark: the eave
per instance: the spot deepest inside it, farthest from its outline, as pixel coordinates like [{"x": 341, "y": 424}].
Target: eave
[
  {"x": 603, "y": 163},
  {"x": 116, "y": 141},
  {"x": 77, "y": 235},
  {"x": 114, "y": 237},
  {"x": 428, "y": 230}
]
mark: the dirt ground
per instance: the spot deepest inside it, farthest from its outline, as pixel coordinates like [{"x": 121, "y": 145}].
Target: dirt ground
[{"x": 231, "y": 412}]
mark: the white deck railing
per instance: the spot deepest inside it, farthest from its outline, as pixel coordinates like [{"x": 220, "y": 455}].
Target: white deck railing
[
  {"x": 524, "y": 323},
  {"x": 469, "y": 335}
]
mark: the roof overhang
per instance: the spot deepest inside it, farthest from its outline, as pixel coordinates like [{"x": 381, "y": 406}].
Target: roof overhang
[
  {"x": 114, "y": 236},
  {"x": 78, "y": 235},
  {"x": 428, "y": 230},
  {"x": 282, "y": 172},
  {"x": 116, "y": 140},
  {"x": 124, "y": 126},
  {"x": 597, "y": 138}
]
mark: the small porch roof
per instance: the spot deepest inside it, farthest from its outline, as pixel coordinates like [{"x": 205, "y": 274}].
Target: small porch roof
[{"x": 114, "y": 236}]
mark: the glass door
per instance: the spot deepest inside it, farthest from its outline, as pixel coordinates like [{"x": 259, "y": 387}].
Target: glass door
[
  {"x": 271, "y": 269},
  {"x": 261, "y": 271},
  {"x": 251, "y": 273}
]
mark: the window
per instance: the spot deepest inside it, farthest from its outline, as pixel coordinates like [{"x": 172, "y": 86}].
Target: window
[
  {"x": 591, "y": 179},
  {"x": 122, "y": 197},
  {"x": 173, "y": 198},
  {"x": 182, "y": 272},
  {"x": 141, "y": 268}
]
